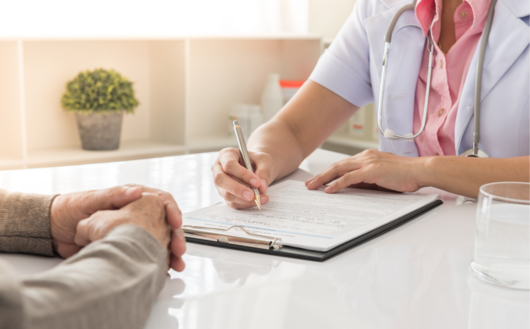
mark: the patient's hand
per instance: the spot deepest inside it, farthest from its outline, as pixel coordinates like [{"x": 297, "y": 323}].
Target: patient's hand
[
  {"x": 147, "y": 212},
  {"x": 68, "y": 209}
]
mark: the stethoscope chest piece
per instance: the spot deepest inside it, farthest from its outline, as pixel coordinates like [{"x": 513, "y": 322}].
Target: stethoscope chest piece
[{"x": 470, "y": 154}]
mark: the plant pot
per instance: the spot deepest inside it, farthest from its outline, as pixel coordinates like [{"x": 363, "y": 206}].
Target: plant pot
[{"x": 100, "y": 131}]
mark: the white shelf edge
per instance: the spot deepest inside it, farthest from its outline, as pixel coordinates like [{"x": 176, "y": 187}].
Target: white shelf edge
[
  {"x": 166, "y": 38},
  {"x": 350, "y": 141},
  {"x": 211, "y": 142},
  {"x": 11, "y": 163},
  {"x": 128, "y": 150}
]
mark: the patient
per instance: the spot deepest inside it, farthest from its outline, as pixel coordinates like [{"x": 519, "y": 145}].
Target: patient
[{"x": 116, "y": 241}]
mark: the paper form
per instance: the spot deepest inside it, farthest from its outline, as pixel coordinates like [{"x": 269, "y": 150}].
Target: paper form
[{"x": 313, "y": 220}]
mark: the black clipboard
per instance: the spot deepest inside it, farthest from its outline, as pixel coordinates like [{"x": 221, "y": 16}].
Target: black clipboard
[{"x": 321, "y": 256}]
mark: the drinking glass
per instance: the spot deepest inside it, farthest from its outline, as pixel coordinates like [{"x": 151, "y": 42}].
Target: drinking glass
[{"x": 502, "y": 235}]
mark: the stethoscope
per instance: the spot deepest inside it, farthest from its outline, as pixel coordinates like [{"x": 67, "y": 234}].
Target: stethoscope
[{"x": 388, "y": 133}]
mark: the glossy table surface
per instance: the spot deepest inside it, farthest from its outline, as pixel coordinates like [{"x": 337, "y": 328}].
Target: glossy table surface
[{"x": 416, "y": 276}]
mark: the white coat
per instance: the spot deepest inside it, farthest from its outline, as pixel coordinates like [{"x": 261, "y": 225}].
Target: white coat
[{"x": 352, "y": 69}]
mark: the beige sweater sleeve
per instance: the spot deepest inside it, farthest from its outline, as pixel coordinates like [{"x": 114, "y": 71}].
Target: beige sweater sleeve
[
  {"x": 111, "y": 283},
  {"x": 25, "y": 223}
]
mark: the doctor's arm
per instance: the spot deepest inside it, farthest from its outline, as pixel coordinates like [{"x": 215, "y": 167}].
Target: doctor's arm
[
  {"x": 455, "y": 174},
  {"x": 278, "y": 147}
]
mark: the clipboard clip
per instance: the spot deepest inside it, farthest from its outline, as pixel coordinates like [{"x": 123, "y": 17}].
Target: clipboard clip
[{"x": 222, "y": 235}]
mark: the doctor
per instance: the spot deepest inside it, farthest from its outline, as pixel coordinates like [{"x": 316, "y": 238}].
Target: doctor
[{"x": 349, "y": 75}]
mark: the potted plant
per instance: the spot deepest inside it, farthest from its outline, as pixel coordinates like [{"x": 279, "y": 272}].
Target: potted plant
[{"x": 99, "y": 98}]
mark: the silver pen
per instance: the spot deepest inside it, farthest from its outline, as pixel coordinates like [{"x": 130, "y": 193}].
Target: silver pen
[{"x": 243, "y": 148}]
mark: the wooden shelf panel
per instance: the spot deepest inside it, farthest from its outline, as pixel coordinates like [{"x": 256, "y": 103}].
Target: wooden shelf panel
[{"x": 128, "y": 151}]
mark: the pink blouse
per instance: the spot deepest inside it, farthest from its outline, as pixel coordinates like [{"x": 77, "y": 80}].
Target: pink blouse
[{"x": 448, "y": 74}]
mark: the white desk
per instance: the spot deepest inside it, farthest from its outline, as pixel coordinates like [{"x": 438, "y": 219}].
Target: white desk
[{"x": 413, "y": 277}]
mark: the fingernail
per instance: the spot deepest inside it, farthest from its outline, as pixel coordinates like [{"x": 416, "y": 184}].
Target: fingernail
[
  {"x": 180, "y": 234},
  {"x": 264, "y": 183},
  {"x": 254, "y": 182},
  {"x": 248, "y": 196},
  {"x": 131, "y": 190}
]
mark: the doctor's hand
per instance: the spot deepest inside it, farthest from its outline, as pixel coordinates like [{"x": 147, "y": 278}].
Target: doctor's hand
[
  {"x": 372, "y": 169},
  {"x": 232, "y": 179}
]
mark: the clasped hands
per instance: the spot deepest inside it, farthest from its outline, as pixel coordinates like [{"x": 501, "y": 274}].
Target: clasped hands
[
  {"x": 370, "y": 169},
  {"x": 78, "y": 219}
]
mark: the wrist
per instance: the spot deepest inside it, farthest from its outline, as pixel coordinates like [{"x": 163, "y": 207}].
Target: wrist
[
  {"x": 56, "y": 211},
  {"x": 426, "y": 171}
]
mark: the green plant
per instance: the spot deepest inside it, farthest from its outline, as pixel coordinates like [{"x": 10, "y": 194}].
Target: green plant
[{"x": 98, "y": 91}]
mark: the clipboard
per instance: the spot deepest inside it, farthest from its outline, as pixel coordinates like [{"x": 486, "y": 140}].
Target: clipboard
[{"x": 262, "y": 244}]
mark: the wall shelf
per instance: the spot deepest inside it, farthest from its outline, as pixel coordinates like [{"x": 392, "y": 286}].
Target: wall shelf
[
  {"x": 128, "y": 150},
  {"x": 186, "y": 87}
]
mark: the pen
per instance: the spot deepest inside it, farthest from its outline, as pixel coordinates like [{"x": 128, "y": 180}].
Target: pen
[{"x": 243, "y": 148}]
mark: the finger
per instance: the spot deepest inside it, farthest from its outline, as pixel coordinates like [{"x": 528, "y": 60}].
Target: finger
[
  {"x": 173, "y": 213},
  {"x": 230, "y": 164},
  {"x": 263, "y": 164},
  {"x": 264, "y": 200},
  {"x": 82, "y": 235},
  {"x": 177, "y": 263},
  {"x": 335, "y": 171},
  {"x": 350, "y": 178},
  {"x": 232, "y": 198},
  {"x": 178, "y": 242},
  {"x": 230, "y": 185},
  {"x": 238, "y": 203},
  {"x": 67, "y": 249},
  {"x": 109, "y": 199}
]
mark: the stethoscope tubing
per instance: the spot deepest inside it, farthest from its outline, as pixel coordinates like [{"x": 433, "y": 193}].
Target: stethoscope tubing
[
  {"x": 478, "y": 82},
  {"x": 474, "y": 152}
]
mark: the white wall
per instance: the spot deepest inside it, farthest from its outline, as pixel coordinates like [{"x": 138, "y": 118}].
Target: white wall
[
  {"x": 148, "y": 18},
  {"x": 326, "y": 17},
  {"x": 167, "y": 18}
]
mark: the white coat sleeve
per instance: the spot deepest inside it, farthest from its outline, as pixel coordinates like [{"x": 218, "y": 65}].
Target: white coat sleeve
[{"x": 345, "y": 67}]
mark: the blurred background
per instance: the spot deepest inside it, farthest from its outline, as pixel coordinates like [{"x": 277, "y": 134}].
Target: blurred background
[{"x": 194, "y": 66}]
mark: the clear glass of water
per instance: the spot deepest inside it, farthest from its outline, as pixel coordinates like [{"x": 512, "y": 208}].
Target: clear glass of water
[{"x": 502, "y": 235}]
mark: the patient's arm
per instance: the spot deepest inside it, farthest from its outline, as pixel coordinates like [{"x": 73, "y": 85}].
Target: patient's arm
[
  {"x": 111, "y": 283},
  {"x": 25, "y": 223}
]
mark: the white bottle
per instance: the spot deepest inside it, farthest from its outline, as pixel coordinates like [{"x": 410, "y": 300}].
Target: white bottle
[{"x": 272, "y": 97}]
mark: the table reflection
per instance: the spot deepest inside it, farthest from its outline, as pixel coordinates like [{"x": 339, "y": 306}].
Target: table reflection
[
  {"x": 493, "y": 307},
  {"x": 168, "y": 304}
]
